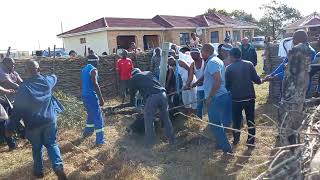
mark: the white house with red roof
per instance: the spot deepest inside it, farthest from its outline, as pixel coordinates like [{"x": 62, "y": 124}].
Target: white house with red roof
[{"x": 108, "y": 34}]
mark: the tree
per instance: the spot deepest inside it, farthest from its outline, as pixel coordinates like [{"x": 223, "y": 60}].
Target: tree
[
  {"x": 214, "y": 11},
  {"x": 237, "y": 14},
  {"x": 276, "y": 16}
]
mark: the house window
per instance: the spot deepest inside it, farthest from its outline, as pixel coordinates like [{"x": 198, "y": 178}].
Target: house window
[
  {"x": 236, "y": 36},
  {"x": 150, "y": 42},
  {"x": 215, "y": 37},
  {"x": 82, "y": 40},
  {"x": 184, "y": 38}
]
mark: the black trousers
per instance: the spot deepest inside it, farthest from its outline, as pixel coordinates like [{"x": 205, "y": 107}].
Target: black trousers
[{"x": 249, "y": 108}]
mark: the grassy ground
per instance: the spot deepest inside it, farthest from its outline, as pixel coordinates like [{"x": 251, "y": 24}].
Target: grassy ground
[{"x": 123, "y": 157}]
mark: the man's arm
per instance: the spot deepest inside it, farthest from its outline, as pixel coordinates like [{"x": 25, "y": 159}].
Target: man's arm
[
  {"x": 190, "y": 75},
  {"x": 254, "y": 76},
  {"x": 6, "y": 91},
  {"x": 10, "y": 84},
  {"x": 217, "y": 83},
  {"x": 96, "y": 86},
  {"x": 52, "y": 80},
  {"x": 20, "y": 104},
  {"x": 19, "y": 79},
  {"x": 255, "y": 58},
  {"x": 228, "y": 78}
]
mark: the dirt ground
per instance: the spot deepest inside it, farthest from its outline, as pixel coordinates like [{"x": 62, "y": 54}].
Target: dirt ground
[{"x": 124, "y": 157}]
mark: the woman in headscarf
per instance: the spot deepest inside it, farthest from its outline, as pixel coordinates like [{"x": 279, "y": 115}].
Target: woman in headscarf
[{"x": 155, "y": 62}]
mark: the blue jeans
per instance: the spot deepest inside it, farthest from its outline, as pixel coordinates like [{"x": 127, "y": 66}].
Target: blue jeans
[
  {"x": 45, "y": 135},
  {"x": 200, "y": 97},
  {"x": 219, "y": 112},
  {"x": 11, "y": 142},
  {"x": 95, "y": 121}
]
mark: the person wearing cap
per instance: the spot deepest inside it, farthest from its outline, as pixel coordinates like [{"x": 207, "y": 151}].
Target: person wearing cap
[
  {"x": 217, "y": 97},
  {"x": 38, "y": 108},
  {"x": 224, "y": 54},
  {"x": 155, "y": 99},
  {"x": 92, "y": 100},
  {"x": 248, "y": 51},
  {"x": 124, "y": 67},
  {"x": 240, "y": 76},
  {"x": 197, "y": 70}
]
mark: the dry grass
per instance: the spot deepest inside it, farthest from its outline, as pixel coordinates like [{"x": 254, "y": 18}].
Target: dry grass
[{"x": 123, "y": 157}]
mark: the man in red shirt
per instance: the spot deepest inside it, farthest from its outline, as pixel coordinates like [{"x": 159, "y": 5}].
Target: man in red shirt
[{"x": 124, "y": 67}]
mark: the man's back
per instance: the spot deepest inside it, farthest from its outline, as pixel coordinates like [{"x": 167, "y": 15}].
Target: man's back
[
  {"x": 87, "y": 84},
  {"x": 124, "y": 68},
  {"x": 35, "y": 103},
  {"x": 146, "y": 83},
  {"x": 240, "y": 76}
]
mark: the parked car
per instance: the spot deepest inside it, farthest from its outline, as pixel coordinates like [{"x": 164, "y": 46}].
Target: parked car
[
  {"x": 60, "y": 52},
  {"x": 258, "y": 42}
]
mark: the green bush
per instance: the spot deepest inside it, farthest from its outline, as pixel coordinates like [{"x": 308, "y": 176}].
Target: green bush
[{"x": 74, "y": 116}]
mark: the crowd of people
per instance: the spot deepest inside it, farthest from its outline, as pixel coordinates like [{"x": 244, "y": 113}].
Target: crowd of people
[{"x": 222, "y": 80}]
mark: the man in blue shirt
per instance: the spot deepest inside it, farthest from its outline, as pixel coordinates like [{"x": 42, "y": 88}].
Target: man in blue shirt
[
  {"x": 299, "y": 36},
  {"x": 217, "y": 97},
  {"x": 36, "y": 105},
  {"x": 92, "y": 100}
]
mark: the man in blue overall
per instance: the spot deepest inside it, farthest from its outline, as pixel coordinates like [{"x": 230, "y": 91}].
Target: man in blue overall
[
  {"x": 92, "y": 99},
  {"x": 37, "y": 107}
]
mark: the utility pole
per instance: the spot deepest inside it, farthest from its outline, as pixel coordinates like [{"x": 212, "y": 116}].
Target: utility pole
[
  {"x": 61, "y": 26},
  {"x": 164, "y": 63}
]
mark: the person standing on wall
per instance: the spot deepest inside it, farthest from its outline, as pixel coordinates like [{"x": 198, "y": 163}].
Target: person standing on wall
[{"x": 124, "y": 67}]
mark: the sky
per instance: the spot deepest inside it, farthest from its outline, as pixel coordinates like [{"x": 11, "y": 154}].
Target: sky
[{"x": 30, "y": 24}]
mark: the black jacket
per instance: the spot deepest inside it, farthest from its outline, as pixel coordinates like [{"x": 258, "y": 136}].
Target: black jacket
[
  {"x": 240, "y": 77},
  {"x": 249, "y": 54}
]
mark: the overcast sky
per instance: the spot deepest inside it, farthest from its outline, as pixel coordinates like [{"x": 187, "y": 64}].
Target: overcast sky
[{"x": 25, "y": 22}]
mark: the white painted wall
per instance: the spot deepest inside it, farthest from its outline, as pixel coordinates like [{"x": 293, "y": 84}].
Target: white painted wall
[{"x": 98, "y": 42}]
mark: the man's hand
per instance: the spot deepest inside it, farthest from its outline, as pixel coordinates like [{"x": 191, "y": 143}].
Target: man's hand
[
  {"x": 9, "y": 91},
  {"x": 268, "y": 78}
]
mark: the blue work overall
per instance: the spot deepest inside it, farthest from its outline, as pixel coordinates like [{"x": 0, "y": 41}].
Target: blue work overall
[{"x": 95, "y": 121}]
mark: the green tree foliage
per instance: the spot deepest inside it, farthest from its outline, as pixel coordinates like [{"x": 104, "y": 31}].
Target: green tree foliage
[
  {"x": 237, "y": 14},
  {"x": 276, "y": 16}
]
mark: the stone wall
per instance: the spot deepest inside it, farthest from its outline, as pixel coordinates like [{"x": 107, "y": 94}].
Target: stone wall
[{"x": 68, "y": 72}]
